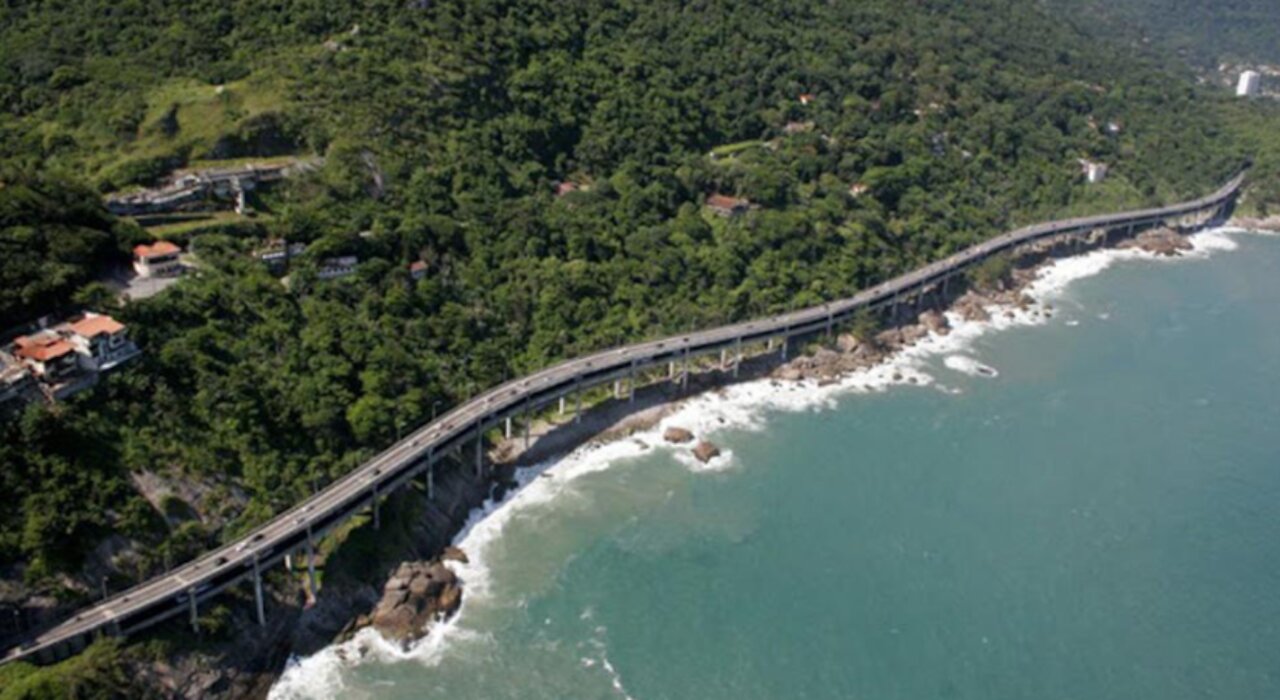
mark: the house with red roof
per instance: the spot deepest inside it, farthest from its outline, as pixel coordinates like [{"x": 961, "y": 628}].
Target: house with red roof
[
  {"x": 725, "y": 205},
  {"x": 100, "y": 341},
  {"x": 159, "y": 259},
  {"x": 48, "y": 355},
  {"x": 417, "y": 270},
  {"x": 64, "y": 358}
]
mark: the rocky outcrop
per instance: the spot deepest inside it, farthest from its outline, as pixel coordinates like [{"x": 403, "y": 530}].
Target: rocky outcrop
[
  {"x": 706, "y": 451},
  {"x": 677, "y": 436},
  {"x": 1267, "y": 223},
  {"x": 935, "y": 322},
  {"x": 973, "y": 307},
  {"x": 1161, "y": 241},
  {"x": 418, "y": 594}
]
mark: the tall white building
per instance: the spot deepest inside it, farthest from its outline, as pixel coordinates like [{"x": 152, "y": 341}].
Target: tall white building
[{"x": 1249, "y": 84}]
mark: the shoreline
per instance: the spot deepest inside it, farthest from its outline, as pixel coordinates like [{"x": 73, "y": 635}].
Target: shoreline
[{"x": 818, "y": 372}]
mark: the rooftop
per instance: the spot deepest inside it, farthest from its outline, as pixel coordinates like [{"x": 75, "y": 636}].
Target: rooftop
[
  {"x": 155, "y": 250},
  {"x": 721, "y": 201},
  {"x": 41, "y": 347},
  {"x": 91, "y": 326}
]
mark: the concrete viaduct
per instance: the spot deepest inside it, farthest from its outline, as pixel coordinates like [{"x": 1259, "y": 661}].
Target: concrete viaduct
[{"x": 183, "y": 589}]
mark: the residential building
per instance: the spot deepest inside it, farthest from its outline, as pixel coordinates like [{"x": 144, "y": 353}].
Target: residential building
[
  {"x": 725, "y": 205},
  {"x": 331, "y": 268},
  {"x": 16, "y": 383},
  {"x": 1250, "y": 84},
  {"x": 797, "y": 128},
  {"x": 417, "y": 269},
  {"x": 50, "y": 356},
  {"x": 563, "y": 188},
  {"x": 196, "y": 186},
  {"x": 806, "y": 98},
  {"x": 100, "y": 340},
  {"x": 1093, "y": 172},
  {"x": 158, "y": 259},
  {"x": 858, "y": 189},
  {"x": 277, "y": 253},
  {"x": 65, "y": 358}
]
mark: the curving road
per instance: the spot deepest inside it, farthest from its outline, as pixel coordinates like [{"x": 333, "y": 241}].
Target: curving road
[{"x": 181, "y": 589}]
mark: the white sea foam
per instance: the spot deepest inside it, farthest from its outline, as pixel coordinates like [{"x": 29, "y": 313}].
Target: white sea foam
[
  {"x": 967, "y": 365},
  {"x": 739, "y": 407}
]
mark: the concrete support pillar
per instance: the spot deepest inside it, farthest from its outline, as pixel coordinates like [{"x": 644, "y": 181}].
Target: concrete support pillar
[
  {"x": 562, "y": 405},
  {"x": 526, "y": 420},
  {"x": 737, "y": 363},
  {"x": 257, "y": 593},
  {"x": 508, "y": 428},
  {"x": 684, "y": 375},
  {"x": 768, "y": 345},
  {"x": 311, "y": 563},
  {"x": 577, "y": 406},
  {"x": 288, "y": 562},
  {"x": 191, "y": 606},
  {"x": 724, "y": 358},
  {"x": 671, "y": 369},
  {"x": 617, "y": 388},
  {"x": 785, "y": 342},
  {"x": 631, "y": 384}
]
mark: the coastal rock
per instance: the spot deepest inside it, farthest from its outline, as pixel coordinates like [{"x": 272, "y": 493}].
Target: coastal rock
[
  {"x": 706, "y": 451},
  {"x": 1269, "y": 223},
  {"x": 1161, "y": 241},
  {"x": 935, "y": 322},
  {"x": 677, "y": 435},
  {"x": 973, "y": 307},
  {"x": 416, "y": 595},
  {"x": 847, "y": 342}
]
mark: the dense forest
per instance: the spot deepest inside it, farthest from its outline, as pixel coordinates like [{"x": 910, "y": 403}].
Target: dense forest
[
  {"x": 445, "y": 127},
  {"x": 1204, "y": 33}
]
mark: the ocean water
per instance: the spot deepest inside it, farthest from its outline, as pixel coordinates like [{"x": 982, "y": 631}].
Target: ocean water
[{"x": 1080, "y": 506}]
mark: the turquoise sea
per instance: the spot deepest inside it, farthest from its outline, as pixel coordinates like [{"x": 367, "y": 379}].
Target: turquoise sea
[{"x": 1100, "y": 520}]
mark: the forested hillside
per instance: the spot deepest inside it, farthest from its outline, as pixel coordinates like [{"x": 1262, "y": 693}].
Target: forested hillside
[
  {"x": 1205, "y": 32},
  {"x": 445, "y": 126}
]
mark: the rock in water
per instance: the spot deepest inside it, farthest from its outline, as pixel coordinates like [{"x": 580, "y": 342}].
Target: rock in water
[
  {"x": 677, "y": 435},
  {"x": 935, "y": 322},
  {"x": 1161, "y": 241},
  {"x": 706, "y": 451},
  {"x": 416, "y": 595}
]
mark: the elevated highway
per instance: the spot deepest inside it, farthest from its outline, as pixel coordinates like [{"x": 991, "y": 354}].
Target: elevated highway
[{"x": 183, "y": 589}]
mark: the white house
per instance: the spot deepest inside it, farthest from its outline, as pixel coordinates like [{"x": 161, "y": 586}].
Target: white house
[
  {"x": 99, "y": 340},
  {"x": 331, "y": 268},
  {"x": 1093, "y": 172},
  {"x": 1250, "y": 83},
  {"x": 159, "y": 259}
]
